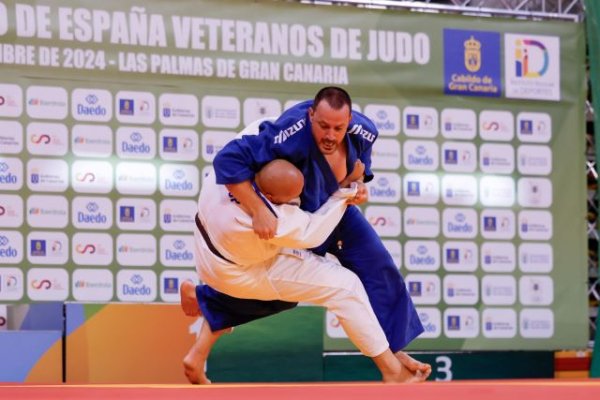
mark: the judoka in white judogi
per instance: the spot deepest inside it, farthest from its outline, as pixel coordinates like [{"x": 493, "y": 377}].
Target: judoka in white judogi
[{"x": 278, "y": 269}]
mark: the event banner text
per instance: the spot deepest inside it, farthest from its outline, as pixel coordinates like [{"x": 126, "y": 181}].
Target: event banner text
[{"x": 200, "y": 39}]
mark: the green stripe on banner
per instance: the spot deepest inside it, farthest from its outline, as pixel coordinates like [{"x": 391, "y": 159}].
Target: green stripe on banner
[{"x": 593, "y": 32}]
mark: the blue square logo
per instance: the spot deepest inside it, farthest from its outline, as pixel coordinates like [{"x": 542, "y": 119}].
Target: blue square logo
[
  {"x": 415, "y": 289},
  {"x": 453, "y": 322},
  {"x": 414, "y": 188},
  {"x": 38, "y": 248},
  {"x": 489, "y": 224},
  {"x": 472, "y": 63},
  {"x": 412, "y": 121},
  {"x": 526, "y": 126},
  {"x": 127, "y": 214},
  {"x": 451, "y": 156},
  {"x": 452, "y": 256},
  {"x": 126, "y": 106},
  {"x": 170, "y": 144},
  {"x": 171, "y": 285}
]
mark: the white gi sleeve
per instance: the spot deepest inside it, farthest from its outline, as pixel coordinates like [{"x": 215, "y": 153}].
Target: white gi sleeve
[{"x": 302, "y": 230}]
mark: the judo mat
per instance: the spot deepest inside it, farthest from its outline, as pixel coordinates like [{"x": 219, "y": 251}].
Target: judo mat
[{"x": 457, "y": 390}]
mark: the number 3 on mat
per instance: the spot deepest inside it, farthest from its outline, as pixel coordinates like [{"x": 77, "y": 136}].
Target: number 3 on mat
[{"x": 443, "y": 365}]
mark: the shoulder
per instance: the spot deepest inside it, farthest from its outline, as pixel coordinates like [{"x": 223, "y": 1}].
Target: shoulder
[
  {"x": 291, "y": 121},
  {"x": 362, "y": 129}
]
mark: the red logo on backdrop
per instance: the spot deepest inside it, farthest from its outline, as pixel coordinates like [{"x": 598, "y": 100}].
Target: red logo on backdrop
[
  {"x": 43, "y": 284},
  {"x": 41, "y": 138},
  {"x": 83, "y": 249},
  {"x": 377, "y": 221},
  {"x": 86, "y": 177}
]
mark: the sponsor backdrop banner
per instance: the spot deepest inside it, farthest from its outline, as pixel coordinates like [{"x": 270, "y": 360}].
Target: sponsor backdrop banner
[{"x": 111, "y": 115}]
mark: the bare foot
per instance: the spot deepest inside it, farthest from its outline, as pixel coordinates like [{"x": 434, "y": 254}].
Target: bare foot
[
  {"x": 401, "y": 375},
  {"x": 393, "y": 371},
  {"x": 414, "y": 377},
  {"x": 195, "y": 359},
  {"x": 194, "y": 370},
  {"x": 421, "y": 370},
  {"x": 189, "y": 303}
]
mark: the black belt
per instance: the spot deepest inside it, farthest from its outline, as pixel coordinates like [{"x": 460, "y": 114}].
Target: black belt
[{"x": 207, "y": 240}]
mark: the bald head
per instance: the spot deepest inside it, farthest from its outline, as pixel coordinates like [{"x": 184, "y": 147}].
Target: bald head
[{"x": 280, "y": 181}]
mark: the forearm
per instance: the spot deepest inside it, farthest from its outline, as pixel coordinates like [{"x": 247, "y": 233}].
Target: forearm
[
  {"x": 244, "y": 193},
  {"x": 301, "y": 229}
]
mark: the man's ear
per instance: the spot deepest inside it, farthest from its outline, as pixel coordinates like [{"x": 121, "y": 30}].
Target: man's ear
[{"x": 311, "y": 113}]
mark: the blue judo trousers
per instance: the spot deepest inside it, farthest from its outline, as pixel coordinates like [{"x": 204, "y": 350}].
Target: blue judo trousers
[{"x": 354, "y": 241}]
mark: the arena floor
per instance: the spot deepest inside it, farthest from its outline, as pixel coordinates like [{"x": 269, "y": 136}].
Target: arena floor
[{"x": 458, "y": 390}]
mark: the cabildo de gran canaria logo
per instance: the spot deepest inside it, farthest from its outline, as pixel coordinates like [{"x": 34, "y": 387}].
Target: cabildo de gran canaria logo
[
  {"x": 472, "y": 54},
  {"x": 472, "y": 63}
]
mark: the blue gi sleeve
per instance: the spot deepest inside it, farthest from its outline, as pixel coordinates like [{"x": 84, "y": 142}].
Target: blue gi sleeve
[
  {"x": 241, "y": 158},
  {"x": 365, "y": 157},
  {"x": 365, "y": 133}
]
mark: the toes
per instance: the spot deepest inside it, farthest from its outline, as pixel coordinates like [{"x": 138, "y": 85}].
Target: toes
[
  {"x": 191, "y": 375},
  {"x": 194, "y": 374}
]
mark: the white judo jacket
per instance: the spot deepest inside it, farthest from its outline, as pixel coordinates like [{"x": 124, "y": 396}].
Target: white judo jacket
[{"x": 230, "y": 231}]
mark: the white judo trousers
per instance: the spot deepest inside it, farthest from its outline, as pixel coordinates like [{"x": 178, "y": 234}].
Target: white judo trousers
[{"x": 277, "y": 269}]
